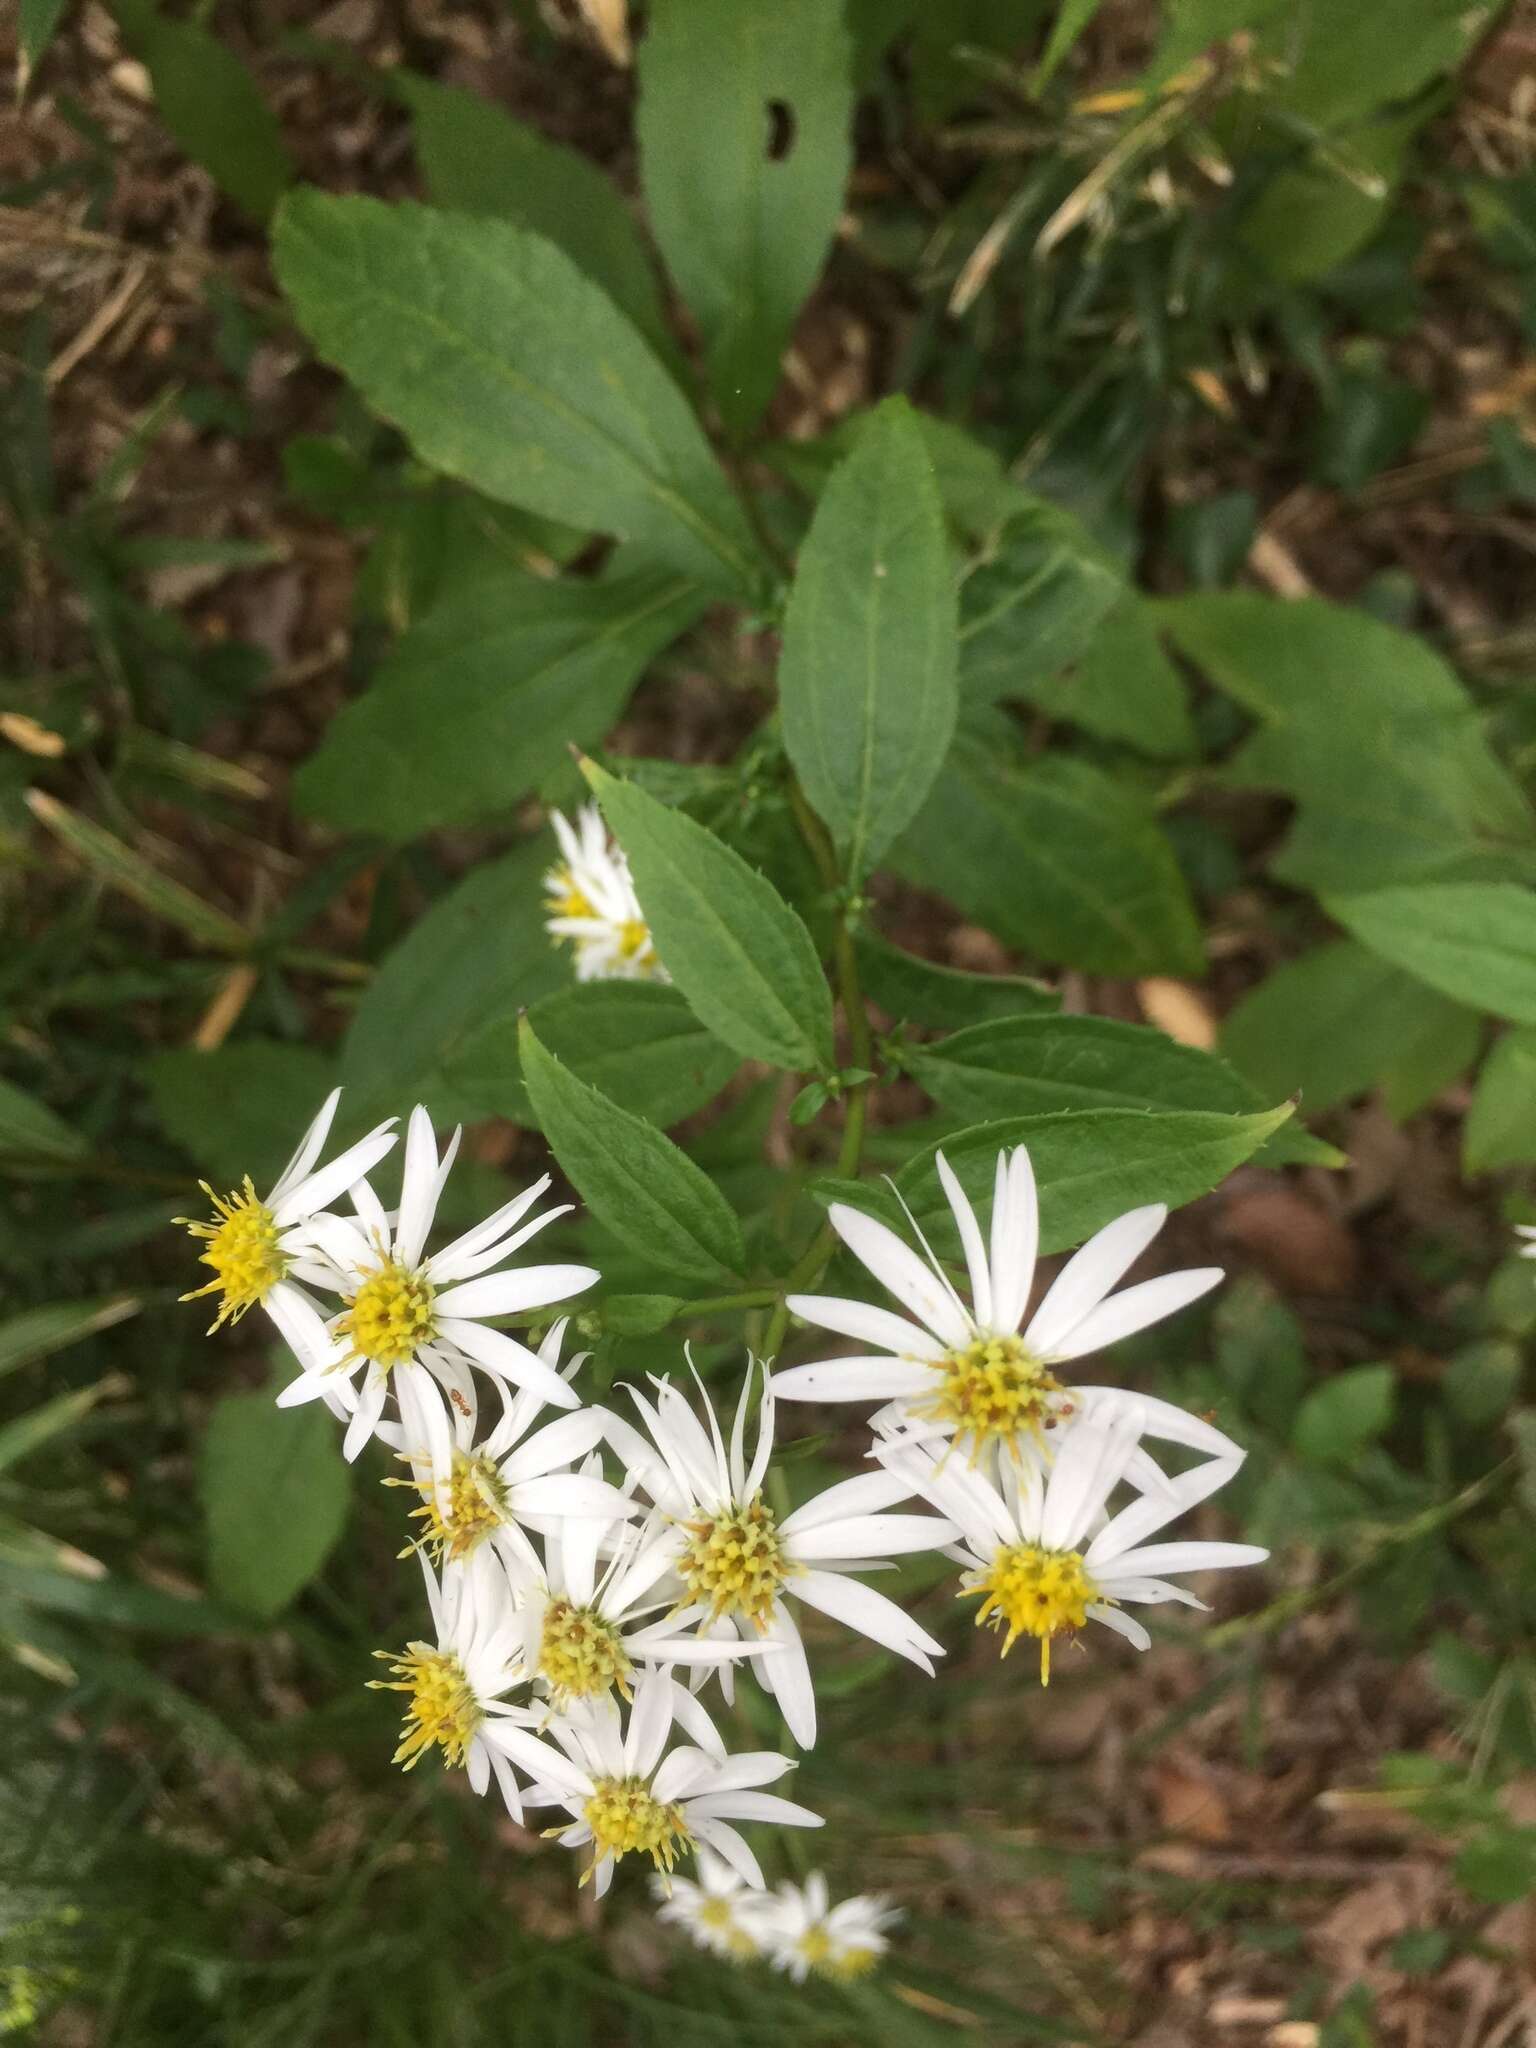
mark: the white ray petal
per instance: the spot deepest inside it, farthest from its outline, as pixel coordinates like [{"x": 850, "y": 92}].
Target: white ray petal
[
  {"x": 1089, "y": 1275},
  {"x": 1135, "y": 1308},
  {"x": 902, "y": 1273},
  {"x": 861, "y": 1607},
  {"x": 970, "y": 1240},
  {"x": 854, "y": 1379},
  {"x": 869, "y": 1325}
]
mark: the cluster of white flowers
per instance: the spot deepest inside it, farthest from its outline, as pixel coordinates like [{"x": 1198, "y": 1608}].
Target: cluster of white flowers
[
  {"x": 566, "y": 1599},
  {"x": 593, "y": 907}
]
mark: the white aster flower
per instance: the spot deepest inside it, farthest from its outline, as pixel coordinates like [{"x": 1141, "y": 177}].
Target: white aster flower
[
  {"x": 722, "y": 1914},
  {"x": 625, "y": 1795},
  {"x": 584, "y": 1630},
  {"x": 474, "y": 1493},
  {"x": 1528, "y": 1232},
  {"x": 593, "y": 905},
  {"x": 407, "y": 1313},
  {"x": 804, "y": 1933},
  {"x": 1039, "y": 1549},
  {"x": 740, "y": 1565},
  {"x": 457, "y": 1687},
  {"x": 256, "y": 1243},
  {"x": 965, "y": 1371}
]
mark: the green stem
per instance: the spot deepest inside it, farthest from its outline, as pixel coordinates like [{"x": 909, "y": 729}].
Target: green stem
[{"x": 720, "y": 1304}]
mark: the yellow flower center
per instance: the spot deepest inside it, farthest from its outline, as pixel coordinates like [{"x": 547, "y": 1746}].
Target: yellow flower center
[
  {"x": 390, "y": 1316},
  {"x": 994, "y": 1391},
  {"x": 476, "y": 1504},
  {"x": 737, "y": 1562},
  {"x": 1034, "y": 1592},
  {"x": 719, "y": 1916},
  {"x": 580, "y": 1653},
  {"x": 624, "y": 1815},
  {"x": 442, "y": 1711},
  {"x": 634, "y": 937},
  {"x": 827, "y": 1960},
  {"x": 567, "y": 898},
  {"x": 242, "y": 1250}
]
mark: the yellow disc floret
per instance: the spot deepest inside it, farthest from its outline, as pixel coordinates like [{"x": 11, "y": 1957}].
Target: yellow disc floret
[
  {"x": 736, "y": 1562},
  {"x": 443, "y": 1710},
  {"x": 994, "y": 1391},
  {"x": 1034, "y": 1592},
  {"x": 625, "y": 1815},
  {"x": 718, "y": 1914},
  {"x": 243, "y": 1251},
  {"x": 579, "y": 1653},
  {"x": 828, "y": 1959},
  {"x": 566, "y": 896},
  {"x": 390, "y": 1315},
  {"x": 465, "y": 1511}
]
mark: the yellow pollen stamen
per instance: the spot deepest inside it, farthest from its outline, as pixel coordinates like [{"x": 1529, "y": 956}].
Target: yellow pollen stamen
[
  {"x": 994, "y": 1391},
  {"x": 634, "y": 937},
  {"x": 719, "y": 1916},
  {"x": 736, "y": 1563},
  {"x": 1035, "y": 1592},
  {"x": 567, "y": 898},
  {"x": 476, "y": 1496},
  {"x": 443, "y": 1709},
  {"x": 827, "y": 1960},
  {"x": 580, "y": 1653},
  {"x": 242, "y": 1250},
  {"x": 625, "y": 1815},
  {"x": 390, "y": 1316}
]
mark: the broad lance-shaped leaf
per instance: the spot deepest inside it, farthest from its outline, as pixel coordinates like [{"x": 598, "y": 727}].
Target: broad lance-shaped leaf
[
  {"x": 867, "y": 676},
  {"x": 1023, "y": 1066},
  {"x": 1055, "y": 858},
  {"x": 743, "y": 125},
  {"x": 633, "y": 1178},
  {"x": 481, "y": 698},
  {"x": 1501, "y": 1124},
  {"x": 1091, "y": 1165},
  {"x": 1475, "y": 941},
  {"x": 476, "y": 158},
  {"x": 503, "y": 365},
  {"x": 738, "y": 952},
  {"x": 917, "y": 991},
  {"x": 275, "y": 1493}
]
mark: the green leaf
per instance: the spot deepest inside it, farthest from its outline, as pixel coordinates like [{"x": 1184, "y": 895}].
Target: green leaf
[
  {"x": 1501, "y": 1124},
  {"x": 1344, "y": 63},
  {"x": 118, "y": 866},
  {"x": 479, "y": 953},
  {"x": 275, "y": 1495},
  {"x": 1475, "y": 941},
  {"x": 38, "y": 1332},
  {"x": 738, "y": 952},
  {"x": 29, "y": 1128},
  {"x": 240, "y": 1110},
  {"x": 867, "y": 676},
  {"x": 1371, "y": 734},
  {"x": 638, "y": 1042},
  {"x": 1499, "y": 1866},
  {"x": 1057, "y": 859},
  {"x": 743, "y": 124},
  {"x": 635, "y": 1181},
  {"x": 1123, "y": 687},
  {"x": 478, "y": 702},
  {"x": 1072, "y": 18},
  {"x": 506, "y": 367},
  {"x": 1091, "y": 1166},
  {"x": 916, "y": 991},
  {"x": 639, "y": 1315},
  {"x": 476, "y": 158},
  {"x": 40, "y": 1425},
  {"x": 1033, "y": 603},
  {"x": 209, "y": 102},
  {"x": 38, "y": 21},
  {"x": 1333, "y": 1024},
  {"x": 1024, "y": 1066},
  {"x": 1337, "y": 1420}
]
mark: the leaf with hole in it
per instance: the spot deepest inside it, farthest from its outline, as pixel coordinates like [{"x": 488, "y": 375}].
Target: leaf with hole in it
[
  {"x": 478, "y": 158},
  {"x": 636, "y": 1041},
  {"x": 633, "y": 1178},
  {"x": 1474, "y": 941},
  {"x": 209, "y": 102},
  {"x": 867, "y": 677},
  {"x": 480, "y": 700},
  {"x": 275, "y": 1494},
  {"x": 1055, "y": 858},
  {"x": 743, "y": 124},
  {"x": 741, "y": 956},
  {"x": 506, "y": 367}
]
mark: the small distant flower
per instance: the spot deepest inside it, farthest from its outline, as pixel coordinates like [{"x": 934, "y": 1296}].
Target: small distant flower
[
  {"x": 740, "y": 1564},
  {"x": 593, "y": 905},
  {"x": 404, "y": 1311},
  {"x": 966, "y": 1372},
  {"x": 1040, "y": 1555},
  {"x": 627, "y": 1794},
  {"x": 457, "y": 1687},
  {"x": 257, "y": 1243},
  {"x": 806, "y": 1935},
  {"x": 1528, "y": 1232},
  {"x": 486, "y": 1492},
  {"x": 722, "y": 1914}
]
